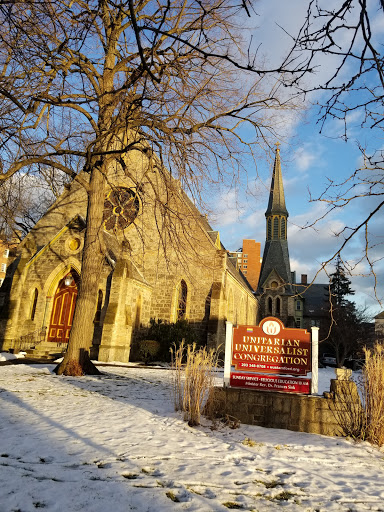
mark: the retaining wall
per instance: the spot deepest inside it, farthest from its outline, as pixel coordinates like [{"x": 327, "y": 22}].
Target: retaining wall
[{"x": 300, "y": 413}]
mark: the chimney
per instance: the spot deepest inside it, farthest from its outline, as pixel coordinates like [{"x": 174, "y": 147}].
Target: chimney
[{"x": 304, "y": 279}]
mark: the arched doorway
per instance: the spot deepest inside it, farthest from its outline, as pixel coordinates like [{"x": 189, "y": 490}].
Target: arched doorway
[{"x": 63, "y": 308}]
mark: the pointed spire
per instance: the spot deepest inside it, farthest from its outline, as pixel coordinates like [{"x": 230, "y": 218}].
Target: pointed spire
[
  {"x": 276, "y": 203},
  {"x": 276, "y": 254}
]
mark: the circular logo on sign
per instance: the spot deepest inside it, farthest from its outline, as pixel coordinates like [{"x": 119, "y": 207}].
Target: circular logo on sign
[{"x": 271, "y": 327}]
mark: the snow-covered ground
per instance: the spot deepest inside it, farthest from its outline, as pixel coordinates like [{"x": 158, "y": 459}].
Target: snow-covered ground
[
  {"x": 6, "y": 356},
  {"x": 114, "y": 443}
]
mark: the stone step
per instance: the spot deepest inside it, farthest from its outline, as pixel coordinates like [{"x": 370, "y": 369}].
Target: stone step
[{"x": 45, "y": 350}]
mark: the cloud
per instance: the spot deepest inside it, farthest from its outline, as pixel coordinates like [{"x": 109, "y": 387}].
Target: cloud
[{"x": 308, "y": 155}]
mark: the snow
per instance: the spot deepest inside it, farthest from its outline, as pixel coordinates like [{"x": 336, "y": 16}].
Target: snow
[
  {"x": 6, "y": 356},
  {"x": 114, "y": 442}
]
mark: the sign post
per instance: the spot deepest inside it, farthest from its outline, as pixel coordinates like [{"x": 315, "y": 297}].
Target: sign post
[
  {"x": 315, "y": 361},
  {"x": 228, "y": 352}
]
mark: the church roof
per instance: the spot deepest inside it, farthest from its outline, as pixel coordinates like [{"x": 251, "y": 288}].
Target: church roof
[
  {"x": 276, "y": 203},
  {"x": 316, "y": 299},
  {"x": 275, "y": 257}
]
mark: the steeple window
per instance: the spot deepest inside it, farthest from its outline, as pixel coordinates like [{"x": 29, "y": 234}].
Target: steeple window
[
  {"x": 276, "y": 228},
  {"x": 283, "y": 228}
]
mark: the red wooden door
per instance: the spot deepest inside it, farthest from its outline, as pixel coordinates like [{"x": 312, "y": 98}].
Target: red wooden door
[{"x": 62, "y": 312}]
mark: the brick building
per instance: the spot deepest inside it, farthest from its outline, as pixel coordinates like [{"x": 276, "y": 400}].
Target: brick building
[
  {"x": 150, "y": 270},
  {"x": 7, "y": 254},
  {"x": 247, "y": 259},
  {"x": 4, "y": 255}
]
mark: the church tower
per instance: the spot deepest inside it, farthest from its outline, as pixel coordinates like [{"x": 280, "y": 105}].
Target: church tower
[{"x": 275, "y": 290}]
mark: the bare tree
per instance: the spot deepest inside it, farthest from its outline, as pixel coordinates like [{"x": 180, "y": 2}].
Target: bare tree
[
  {"x": 84, "y": 84},
  {"x": 345, "y": 38},
  {"x": 24, "y": 198}
]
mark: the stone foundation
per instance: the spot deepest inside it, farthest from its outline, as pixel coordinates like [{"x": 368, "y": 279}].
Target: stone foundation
[{"x": 301, "y": 413}]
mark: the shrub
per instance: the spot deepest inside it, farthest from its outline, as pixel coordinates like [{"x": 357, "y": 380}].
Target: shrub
[
  {"x": 194, "y": 380},
  {"x": 373, "y": 394},
  {"x": 360, "y": 415},
  {"x": 148, "y": 350},
  {"x": 167, "y": 335}
]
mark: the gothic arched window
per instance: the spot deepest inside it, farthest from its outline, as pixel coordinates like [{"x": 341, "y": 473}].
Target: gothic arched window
[
  {"x": 269, "y": 228},
  {"x": 278, "y": 306},
  {"x": 270, "y": 305},
  {"x": 138, "y": 312},
  {"x": 34, "y": 304},
  {"x": 98, "y": 307},
  {"x": 181, "y": 306}
]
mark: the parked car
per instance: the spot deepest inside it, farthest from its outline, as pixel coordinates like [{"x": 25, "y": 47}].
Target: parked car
[{"x": 328, "y": 360}]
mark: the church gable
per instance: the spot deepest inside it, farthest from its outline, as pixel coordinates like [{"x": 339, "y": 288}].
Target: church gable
[{"x": 274, "y": 283}]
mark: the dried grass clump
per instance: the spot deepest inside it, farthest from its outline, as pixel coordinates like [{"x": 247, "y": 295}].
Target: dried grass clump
[
  {"x": 73, "y": 369},
  {"x": 373, "y": 394},
  {"x": 192, "y": 381},
  {"x": 360, "y": 411}
]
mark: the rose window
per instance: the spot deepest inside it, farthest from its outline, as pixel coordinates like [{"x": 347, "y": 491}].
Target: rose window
[{"x": 121, "y": 207}]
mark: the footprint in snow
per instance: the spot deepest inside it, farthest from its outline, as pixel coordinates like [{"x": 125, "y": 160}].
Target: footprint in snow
[
  {"x": 151, "y": 471},
  {"x": 181, "y": 495},
  {"x": 209, "y": 494}
]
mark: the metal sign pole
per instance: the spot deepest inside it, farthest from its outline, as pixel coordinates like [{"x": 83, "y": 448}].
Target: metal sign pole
[
  {"x": 228, "y": 352},
  {"x": 315, "y": 361}
]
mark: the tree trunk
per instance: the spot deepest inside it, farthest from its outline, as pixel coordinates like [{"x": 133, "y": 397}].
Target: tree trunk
[{"x": 76, "y": 360}]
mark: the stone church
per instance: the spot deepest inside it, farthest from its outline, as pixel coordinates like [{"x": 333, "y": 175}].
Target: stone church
[{"x": 162, "y": 261}]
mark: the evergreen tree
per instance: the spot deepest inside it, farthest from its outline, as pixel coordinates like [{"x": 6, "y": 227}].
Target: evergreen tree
[
  {"x": 347, "y": 324},
  {"x": 340, "y": 285}
]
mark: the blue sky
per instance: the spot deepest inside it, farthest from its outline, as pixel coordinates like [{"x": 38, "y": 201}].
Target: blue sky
[{"x": 308, "y": 159}]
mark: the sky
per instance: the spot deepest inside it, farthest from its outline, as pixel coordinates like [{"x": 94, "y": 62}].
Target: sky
[
  {"x": 309, "y": 159},
  {"x": 114, "y": 442}
]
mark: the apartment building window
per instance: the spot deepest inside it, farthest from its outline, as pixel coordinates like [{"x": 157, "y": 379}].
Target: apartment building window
[
  {"x": 245, "y": 261},
  {"x": 6, "y": 253},
  {"x": 3, "y": 267},
  {"x": 245, "y": 266}
]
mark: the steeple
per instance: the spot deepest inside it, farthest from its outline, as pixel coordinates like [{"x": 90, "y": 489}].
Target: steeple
[
  {"x": 276, "y": 256},
  {"x": 276, "y": 203}
]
